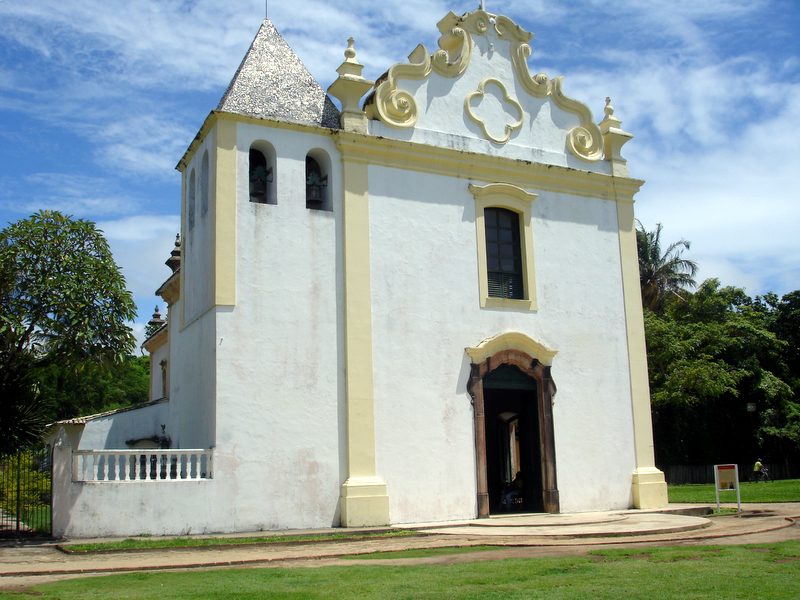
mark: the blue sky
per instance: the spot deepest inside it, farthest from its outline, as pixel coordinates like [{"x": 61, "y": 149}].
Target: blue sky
[{"x": 99, "y": 99}]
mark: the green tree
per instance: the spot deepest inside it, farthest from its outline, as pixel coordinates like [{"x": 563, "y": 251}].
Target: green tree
[
  {"x": 22, "y": 413},
  {"x": 90, "y": 388},
  {"x": 717, "y": 377},
  {"x": 64, "y": 303},
  {"x": 787, "y": 327},
  {"x": 662, "y": 274},
  {"x": 782, "y": 423}
]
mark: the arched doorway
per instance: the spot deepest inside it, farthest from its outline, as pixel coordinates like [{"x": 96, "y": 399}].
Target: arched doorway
[{"x": 512, "y": 396}]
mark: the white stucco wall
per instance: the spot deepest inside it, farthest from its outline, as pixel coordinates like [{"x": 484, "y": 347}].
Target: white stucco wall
[
  {"x": 426, "y": 311},
  {"x": 161, "y": 353},
  {"x": 128, "y": 509},
  {"x": 140, "y": 507},
  {"x": 279, "y": 370},
  {"x": 582, "y": 312},
  {"x": 197, "y": 244},
  {"x": 192, "y": 358},
  {"x": 116, "y": 429},
  {"x": 274, "y": 361}
]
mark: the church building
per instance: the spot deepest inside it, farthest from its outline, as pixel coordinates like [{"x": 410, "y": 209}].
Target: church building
[{"x": 417, "y": 303}]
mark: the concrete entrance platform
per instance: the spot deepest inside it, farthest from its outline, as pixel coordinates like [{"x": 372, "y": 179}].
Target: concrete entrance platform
[{"x": 576, "y": 525}]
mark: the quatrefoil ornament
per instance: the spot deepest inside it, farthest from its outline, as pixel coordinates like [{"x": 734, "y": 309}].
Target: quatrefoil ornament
[{"x": 505, "y": 100}]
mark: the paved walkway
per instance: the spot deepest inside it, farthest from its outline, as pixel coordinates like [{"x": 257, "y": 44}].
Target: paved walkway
[
  {"x": 580, "y": 525},
  {"x": 27, "y": 563}
]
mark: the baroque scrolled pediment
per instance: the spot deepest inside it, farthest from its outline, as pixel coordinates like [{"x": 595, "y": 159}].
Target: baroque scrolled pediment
[{"x": 397, "y": 107}]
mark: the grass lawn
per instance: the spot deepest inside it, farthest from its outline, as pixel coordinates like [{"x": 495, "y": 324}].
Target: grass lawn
[
  {"x": 784, "y": 490},
  {"x": 35, "y": 517},
  {"x": 38, "y": 518},
  {"x": 421, "y": 552},
  {"x": 764, "y": 571}
]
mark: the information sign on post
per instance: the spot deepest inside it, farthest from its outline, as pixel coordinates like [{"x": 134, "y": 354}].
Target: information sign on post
[{"x": 726, "y": 479}]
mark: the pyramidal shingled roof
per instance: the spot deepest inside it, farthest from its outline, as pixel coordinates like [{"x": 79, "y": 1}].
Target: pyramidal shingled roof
[{"x": 273, "y": 83}]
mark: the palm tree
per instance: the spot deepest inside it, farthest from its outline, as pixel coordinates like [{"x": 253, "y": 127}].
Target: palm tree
[
  {"x": 22, "y": 414},
  {"x": 662, "y": 275}
]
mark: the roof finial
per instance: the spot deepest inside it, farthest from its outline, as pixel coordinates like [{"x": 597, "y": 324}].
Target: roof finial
[
  {"x": 349, "y": 87},
  {"x": 614, "y": 137},
  {"x": 174, "y": 260},
  {"x": 608, "y": 110},
  {"x": 154, "y": 324},
  {"x": 350, "y": 51},
  {"x": 482, "y": 5}
]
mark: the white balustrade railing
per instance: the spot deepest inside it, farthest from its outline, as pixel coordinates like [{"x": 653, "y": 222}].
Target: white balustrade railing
[{"x": 141, "y": 465}]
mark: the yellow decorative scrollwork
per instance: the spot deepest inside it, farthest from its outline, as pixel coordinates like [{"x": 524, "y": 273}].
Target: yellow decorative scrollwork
[
  {"x": 585, "y": 140},
  {"x": 538, "y": 85},
  {"x": 479, "y": 21},
  {"x": 398, "y": 108},
  {"x": 452, "y": 58},
  {"x": 392, "y": 105}
]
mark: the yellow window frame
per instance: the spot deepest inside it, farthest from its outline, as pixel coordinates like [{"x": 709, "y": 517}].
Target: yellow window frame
[{"x": 511, "y": 197}]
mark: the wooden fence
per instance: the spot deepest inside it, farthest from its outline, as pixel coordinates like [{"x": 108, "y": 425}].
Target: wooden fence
[{"x": 680, "y": 474}]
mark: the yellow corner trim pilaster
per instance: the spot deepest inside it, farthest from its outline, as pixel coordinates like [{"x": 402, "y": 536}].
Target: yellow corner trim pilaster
[
  {"x": 514, "y": 198},
  {"x": 649, "y": 488},
  {"x": 365, "y": 502},
  {"x": 224, "y": 242},
  {"x": 364, "y": 496}
]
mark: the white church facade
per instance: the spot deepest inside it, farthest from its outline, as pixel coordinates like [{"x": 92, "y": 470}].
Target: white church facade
[{"x": 421, "y": 306}]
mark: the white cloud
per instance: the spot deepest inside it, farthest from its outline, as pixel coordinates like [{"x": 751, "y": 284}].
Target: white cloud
[
  {"x": 714, "y": 139},
  {"x": 142, "y": 228},
  {"x": 140, "y": 245},
  {"x": 148, "y": 143},
  {"x": 78, "y": 195},
  {"x": 144, "y": 43},
  {"x": 138, "y": 332},
  {"x": 714, "y": 116}
]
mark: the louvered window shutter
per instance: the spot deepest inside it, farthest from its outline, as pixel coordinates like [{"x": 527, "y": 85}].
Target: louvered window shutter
[{"x": 503, "y": 256}]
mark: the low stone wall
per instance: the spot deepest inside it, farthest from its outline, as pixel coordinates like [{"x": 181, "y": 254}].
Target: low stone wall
[{"x": 157, "y": 501}]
